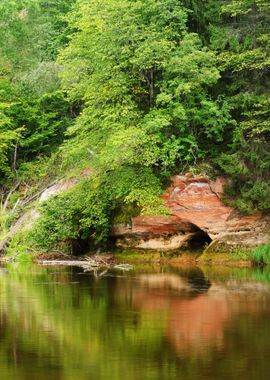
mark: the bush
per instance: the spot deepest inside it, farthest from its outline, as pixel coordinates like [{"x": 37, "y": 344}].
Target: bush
[
  {"x": 17, "y": 250},
  {"x": 86, "y": 212}
]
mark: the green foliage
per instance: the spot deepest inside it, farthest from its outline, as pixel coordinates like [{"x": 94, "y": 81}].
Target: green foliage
[
  {"x": 261, "y": 255},
  {"x": 8, "y": 139},
  {"x": 30, "y": 128},
  {"x": 145, "y": 82},
  {"x": 135, "y": 91},
  {"x": 86, "y": 211},
  {"x": 45, "y": 122},
  {"x": 31, "y": 30},
  {"x": 248, "y": 160},
  {"x": 124, "y": 213},
  {"x": 33, "y": 111},
  {"x": 40, "y": 171},
  {"x": 18, "y": 250},
  {"x": 241, "y": 37}
]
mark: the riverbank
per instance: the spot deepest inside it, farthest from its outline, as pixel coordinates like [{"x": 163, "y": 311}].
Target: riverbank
[
  {"x": 234, "y": 258},
  {"x": 133, "y": 257}
]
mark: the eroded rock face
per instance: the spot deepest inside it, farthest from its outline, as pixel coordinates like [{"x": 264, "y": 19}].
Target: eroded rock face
[
  {"x": 28, "y": 218},
  {"x": 57, "y": 188},
  {"x": 197, "y": 200},
  {"x": 197, "y": 215}
]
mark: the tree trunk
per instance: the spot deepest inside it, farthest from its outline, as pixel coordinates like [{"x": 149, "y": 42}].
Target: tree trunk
[
  {"x": 151, "y": 88},
  {"x": 254, "y": 24}
]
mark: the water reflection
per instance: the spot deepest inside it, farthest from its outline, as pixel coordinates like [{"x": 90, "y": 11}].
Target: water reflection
[
  {"x": 194, "y": 320},
  {"x": 152, "y": 324}
]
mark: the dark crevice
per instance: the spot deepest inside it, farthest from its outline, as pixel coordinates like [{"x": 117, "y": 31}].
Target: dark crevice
[{"x": 199, "y": 241}]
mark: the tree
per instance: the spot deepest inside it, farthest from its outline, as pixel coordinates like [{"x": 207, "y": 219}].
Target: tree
[
  {"x": 243, "y": 41},
  {"x": 144, "y": 81},
  {"x": 32, "y": 32},
  {"x": 8, "y": 140}
]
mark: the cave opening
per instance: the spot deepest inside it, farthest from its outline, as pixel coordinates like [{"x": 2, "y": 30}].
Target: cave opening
[{"x": 198, "y": 241}]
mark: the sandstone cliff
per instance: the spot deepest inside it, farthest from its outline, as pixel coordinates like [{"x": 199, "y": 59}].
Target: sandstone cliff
[{"x": 198, "y": 219}]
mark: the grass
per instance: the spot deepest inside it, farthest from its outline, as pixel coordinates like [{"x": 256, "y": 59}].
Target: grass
[{"x": 261, "y": 255}]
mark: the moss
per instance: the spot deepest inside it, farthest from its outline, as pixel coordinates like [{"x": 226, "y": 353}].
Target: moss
[
  {"x": 149, "y": 256},
  {"x": 234, "y": 256}
]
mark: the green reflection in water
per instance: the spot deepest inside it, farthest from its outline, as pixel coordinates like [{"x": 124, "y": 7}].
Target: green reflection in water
[{"x": 160, "y": 323}]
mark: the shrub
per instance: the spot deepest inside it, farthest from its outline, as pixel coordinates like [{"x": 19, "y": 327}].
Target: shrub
[
  {"x": 17, "y": 250},
  {"x": 87, "y": 210}
]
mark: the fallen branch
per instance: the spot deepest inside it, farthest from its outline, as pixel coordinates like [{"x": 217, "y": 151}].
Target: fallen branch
[
  {"x": 100, "y": 262},
  {"x": 38, "y": 193}
]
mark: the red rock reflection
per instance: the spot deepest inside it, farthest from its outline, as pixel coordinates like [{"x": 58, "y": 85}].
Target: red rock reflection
[
  {"x": 198, "y": 322},
  {"x": 195, "y": 322}
]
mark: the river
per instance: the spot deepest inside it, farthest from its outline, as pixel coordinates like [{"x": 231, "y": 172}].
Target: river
[{"x": 151, "y": 323}]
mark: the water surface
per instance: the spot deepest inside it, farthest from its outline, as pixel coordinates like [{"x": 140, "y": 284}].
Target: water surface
[{"x": 151, "y": 323}]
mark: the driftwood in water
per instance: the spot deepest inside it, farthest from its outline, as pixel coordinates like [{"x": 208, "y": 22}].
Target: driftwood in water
[{"x": 91, "y": 264}]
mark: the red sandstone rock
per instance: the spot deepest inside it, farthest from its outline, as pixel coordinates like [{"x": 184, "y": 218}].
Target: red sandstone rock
[
  {"x": 218, "y": 186},
  {"x": 195, "y": 205},
  {"x": 161, "y": 225}
]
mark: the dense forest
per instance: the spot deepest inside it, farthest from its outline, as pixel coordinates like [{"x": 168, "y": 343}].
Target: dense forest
[{"x": 129, "y": 92}]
